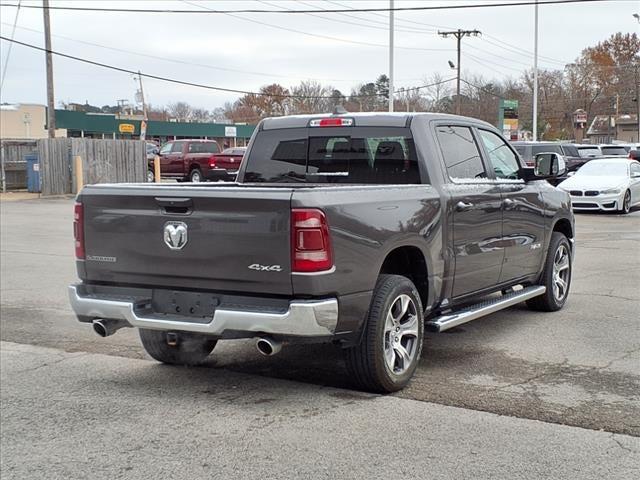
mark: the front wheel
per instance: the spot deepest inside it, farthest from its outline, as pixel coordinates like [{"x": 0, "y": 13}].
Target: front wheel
[
  {"x": 556, "y": 276},
  {"x": 150, "y": 176},
  {"x": 177, "y": 348},
  {"x": 389, "y": 352},
  {"x": 626, "y": 203}
]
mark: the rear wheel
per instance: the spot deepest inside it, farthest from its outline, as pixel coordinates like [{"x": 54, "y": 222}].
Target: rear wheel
[
  {"x": 195, "y": 176},
  {"x": 626, "y": 203},
  {"x": 177, "y": 348},
  {"x": 389, "y": 352},
  {"x": 556, "y": 276},
  {"x": 150, "y": 176}
]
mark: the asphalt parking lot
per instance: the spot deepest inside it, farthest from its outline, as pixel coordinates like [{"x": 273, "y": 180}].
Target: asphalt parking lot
[{"x": 579, "y": 367}]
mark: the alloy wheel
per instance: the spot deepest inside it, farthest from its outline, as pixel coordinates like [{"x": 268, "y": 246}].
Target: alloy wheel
[
  {"x": 401, "y": 335},
  {"x": 561, "y": 273},
  {"x": 626, "y": 203}
]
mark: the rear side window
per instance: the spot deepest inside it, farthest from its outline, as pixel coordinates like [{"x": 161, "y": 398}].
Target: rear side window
[
  {"x": 586, "y": 152},
  {"x": 536, "y": 149},
  {"x": 375, "y": 155},
  {"x": 570, "y": 150},
  {"x": 203, "y": 147},
  {"x": 521, "y": 149},
  {"x": 613, "y": 150},
  {"x": 177, "y": 147},
  {"x": 460, "y": 152}
]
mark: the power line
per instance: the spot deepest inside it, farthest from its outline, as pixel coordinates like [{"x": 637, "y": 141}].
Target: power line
[
  {"x": 182, "y": 62},
  {"x": 256, "y": 10},
  {"x": 191, "y": 84},
  {"x": 481, "y": 61},
  {"x": 13, "y": 33},
  {"x": 346, "y": 22},
  {"x": 309, "y": 34},
  {"x": 413, "y": 22}
]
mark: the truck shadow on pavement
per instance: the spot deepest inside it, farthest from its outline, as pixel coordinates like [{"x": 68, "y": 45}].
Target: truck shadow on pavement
[{"x": 462, "y": 369}]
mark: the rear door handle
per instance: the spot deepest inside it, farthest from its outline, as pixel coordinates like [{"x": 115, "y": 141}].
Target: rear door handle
[{"x": 463, "y": 207}]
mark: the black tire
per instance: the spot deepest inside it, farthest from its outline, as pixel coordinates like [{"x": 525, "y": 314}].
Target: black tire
[
  {"x": 553, "y": 299},
  {"x": 368, "y": 362},
  {"x": 151, "y": 177},
  {"x": 626, "y": 203},
  {"x": 196, "y": 176},
  {"x": 190, "y": 348}
]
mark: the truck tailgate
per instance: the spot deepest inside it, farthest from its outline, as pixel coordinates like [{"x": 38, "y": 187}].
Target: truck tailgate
[{"x": 130, "y": 232}]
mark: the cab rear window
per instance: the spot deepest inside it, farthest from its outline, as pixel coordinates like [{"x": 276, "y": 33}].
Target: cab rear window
[
  {"x": 203, "y": 147},
  {"x": 375, "y": 155}
]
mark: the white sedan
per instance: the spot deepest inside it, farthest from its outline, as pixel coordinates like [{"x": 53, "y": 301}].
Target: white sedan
[{"x": 607, "y": 184}]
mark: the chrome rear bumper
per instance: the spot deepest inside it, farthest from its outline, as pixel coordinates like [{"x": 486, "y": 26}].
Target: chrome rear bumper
[{"x": 304, "y": 318}]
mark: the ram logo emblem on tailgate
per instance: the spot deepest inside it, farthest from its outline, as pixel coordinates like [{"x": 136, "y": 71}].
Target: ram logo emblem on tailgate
[{"x": 175, "y": 235}]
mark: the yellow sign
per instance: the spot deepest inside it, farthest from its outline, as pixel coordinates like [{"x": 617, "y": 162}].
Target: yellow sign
[{"x": 126, "y": 128}]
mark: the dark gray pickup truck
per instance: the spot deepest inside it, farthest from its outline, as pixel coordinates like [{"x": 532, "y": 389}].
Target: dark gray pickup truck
[{"x": 356, "y": 229}]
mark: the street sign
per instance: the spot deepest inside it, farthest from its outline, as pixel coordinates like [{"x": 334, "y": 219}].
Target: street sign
[
  {"x": 126, "y": 128},
  {"x": 230, "y": 132},
  {"x": 508, "y": 118}
]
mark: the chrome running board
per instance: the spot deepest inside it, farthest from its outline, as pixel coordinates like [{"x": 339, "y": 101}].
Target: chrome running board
[{"x": 455, "y": 318}]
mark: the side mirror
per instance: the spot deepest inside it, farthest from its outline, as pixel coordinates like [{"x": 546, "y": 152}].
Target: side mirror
[{"x": 549, "y": 165}]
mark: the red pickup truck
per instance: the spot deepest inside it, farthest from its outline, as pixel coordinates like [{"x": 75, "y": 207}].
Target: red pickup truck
[
  {"x": 192, "y": 161},
  {"x": 229, "y": 160}
]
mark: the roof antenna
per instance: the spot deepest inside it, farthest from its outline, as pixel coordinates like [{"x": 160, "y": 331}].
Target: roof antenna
[{"x": 339, "y": 110}]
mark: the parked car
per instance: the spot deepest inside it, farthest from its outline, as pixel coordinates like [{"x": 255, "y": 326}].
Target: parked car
[
  {"x": 225, "y": 165},
  {"x": 607, "y": 184},
  {"x": 186, "y": 160},
  {"x": 587, "y": 150},
  {"x": 568, "y": 151},
  {"x": 629, "y": 146},
  {"x": 352, "y": 229},
  {"x": 529, "y": 150},
  {"x": 152, "y": 150},
  {"x": 614, "y": 150}
]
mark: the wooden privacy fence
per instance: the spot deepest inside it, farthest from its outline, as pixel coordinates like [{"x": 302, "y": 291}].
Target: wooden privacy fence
[{"x": 103, "y": 161}]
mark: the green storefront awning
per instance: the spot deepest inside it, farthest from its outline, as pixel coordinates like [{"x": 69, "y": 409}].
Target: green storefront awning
[{"x": 109, "y": 124}]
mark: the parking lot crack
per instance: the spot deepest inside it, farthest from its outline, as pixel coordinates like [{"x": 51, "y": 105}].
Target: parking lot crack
[
  {"x": 613, "y": 437},
  {"x": 607, "y": 295},
  {"x": 51, "y": 363}
]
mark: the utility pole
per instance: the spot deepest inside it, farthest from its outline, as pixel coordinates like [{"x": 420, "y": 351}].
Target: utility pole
[
  {"x": 51, "y": 112},
  {"x": 535, "y": 75},
  {"x": 637, "y": 69},
  {"x": 459, "y": 34},
  {"x": 391, "y": 55}
]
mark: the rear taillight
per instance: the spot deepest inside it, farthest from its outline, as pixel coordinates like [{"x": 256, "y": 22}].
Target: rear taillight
[
  {"x": 78, "y": 230},
  {"x": 310, "y": 241},
  {"x": 212, "y": 162}
]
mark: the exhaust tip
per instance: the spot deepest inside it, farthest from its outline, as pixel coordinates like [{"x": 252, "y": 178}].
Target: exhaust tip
[
  {"x": 268, "y": 346},
  {"x": 100, "y": 328}
]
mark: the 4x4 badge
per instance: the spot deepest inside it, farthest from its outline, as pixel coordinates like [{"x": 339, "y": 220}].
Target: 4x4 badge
[{"x": 175, "y": 235}]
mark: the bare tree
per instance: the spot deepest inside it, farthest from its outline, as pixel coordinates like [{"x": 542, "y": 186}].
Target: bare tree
[
  {"x": 200, "y": 115},
  {"x": 437, "y": 93},
  {"x": 181, "y": 111},
  {"x": 316, "y": 97}
]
